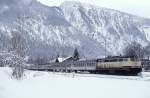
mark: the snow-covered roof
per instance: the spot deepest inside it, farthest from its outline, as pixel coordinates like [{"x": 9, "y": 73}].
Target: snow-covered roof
[{"x": 61, "y": 59}]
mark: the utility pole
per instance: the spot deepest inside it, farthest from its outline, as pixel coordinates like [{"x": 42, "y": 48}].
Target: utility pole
[{"x": 105, "y": 47}]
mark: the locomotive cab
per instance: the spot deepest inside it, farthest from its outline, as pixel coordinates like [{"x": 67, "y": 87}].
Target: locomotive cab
[{"x": 120, "y": 65}]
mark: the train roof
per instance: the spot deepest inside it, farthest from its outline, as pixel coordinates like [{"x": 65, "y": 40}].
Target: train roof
[
  {"x": 120, "y": 57},
  {"x": 116, "y": 57}
]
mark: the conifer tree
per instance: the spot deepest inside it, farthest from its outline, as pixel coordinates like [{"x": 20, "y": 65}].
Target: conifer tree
[{"x": 76, "y": 55}]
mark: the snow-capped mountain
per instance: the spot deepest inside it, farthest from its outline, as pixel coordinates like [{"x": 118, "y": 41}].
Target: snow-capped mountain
[{"x": 58, "y": 30}]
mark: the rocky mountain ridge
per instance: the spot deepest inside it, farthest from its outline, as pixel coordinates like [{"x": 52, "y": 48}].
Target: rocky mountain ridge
[{"x": 60, "y": 29}]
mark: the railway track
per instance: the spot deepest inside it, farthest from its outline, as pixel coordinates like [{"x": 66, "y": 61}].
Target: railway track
[{"x": 140, "y": 77}]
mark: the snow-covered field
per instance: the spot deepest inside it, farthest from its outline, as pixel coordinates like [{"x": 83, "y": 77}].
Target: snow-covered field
[{"x": 69, "y": 85}]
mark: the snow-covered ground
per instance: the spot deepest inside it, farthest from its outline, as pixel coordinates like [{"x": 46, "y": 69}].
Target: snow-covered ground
[{"x": 69, "y": 85}]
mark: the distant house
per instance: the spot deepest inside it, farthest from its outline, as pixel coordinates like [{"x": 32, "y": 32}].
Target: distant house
[
  {"x": 61, "y": 59},
  {"x": 67, "y": 59}
]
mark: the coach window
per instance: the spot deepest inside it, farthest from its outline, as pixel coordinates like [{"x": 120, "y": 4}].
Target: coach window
[
  {"x": 133, "y": 59},
  {"x": 120, "y": 60},
  {"x": 106, "y": 60},
  {"x": 125, "y": 59}
]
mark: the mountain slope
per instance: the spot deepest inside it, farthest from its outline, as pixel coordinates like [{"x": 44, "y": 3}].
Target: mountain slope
[
  {"x": 58, "y": 30},
  {"x": 101, "y": 24}
]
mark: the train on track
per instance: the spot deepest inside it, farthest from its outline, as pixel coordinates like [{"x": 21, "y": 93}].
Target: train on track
[{"x": 109, "y": 65}]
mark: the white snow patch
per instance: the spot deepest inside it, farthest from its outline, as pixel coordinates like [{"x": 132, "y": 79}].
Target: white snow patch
[
  {"x": 61, "y": 85},
  {"x": 147, "y": 32}
]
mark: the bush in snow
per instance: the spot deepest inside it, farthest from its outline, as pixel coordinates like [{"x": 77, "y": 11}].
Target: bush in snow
[
  {"x": 18, "y": 71},
  {"x": 7, "y": 59},
  {"x": 12, "y": 60}
]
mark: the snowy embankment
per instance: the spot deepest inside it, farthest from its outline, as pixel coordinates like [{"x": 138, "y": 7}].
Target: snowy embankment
[{"x": 61, "y": 85}]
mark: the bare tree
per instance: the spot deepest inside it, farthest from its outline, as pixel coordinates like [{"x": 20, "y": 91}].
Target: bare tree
[
  {"x": 134, "y": 50},
  {"x": 19, "y": 45},
  {"x": 19, "y": 48}
]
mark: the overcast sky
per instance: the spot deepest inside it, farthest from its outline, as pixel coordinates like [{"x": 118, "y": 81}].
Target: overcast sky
[{"x": 136, "y": 7}]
